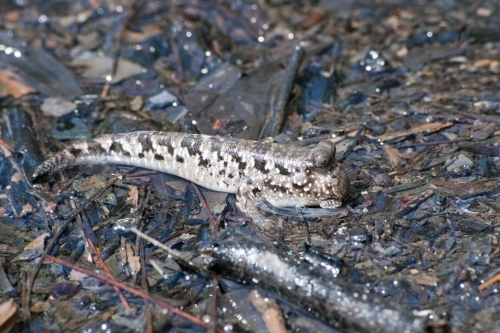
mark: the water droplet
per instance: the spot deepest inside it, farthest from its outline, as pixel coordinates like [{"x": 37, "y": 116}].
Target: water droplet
[{"x": 42, "y": 19}]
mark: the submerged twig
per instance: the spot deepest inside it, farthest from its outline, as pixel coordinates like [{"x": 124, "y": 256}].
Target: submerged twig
[{"x": 489, "y": 282}]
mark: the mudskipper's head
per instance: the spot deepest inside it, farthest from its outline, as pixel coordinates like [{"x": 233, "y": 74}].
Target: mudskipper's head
[{"x": 331, "y": 185}]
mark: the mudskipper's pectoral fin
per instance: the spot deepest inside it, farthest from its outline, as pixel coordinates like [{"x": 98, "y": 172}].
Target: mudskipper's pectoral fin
[{"x": 249, "y": 194}]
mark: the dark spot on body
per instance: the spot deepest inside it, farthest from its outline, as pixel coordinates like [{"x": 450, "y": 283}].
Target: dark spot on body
[
  {"x": 260, "y": 152},
  {"x": 275, "y": 188},
  {"x": 235, "y": 151},
  {"x": 282, "y": 169},
  {"x": 242, "y": 166},
  {"x": 236, "y": 157},
  {"x": 216, "y": 147},
  {"x": 141, "y": 155},
  {"x": 166, "y": 141},
  {"x": 255, "y": 191},
  {"x": 298, "y": 187},
  {"x": 230, "y": 175},
  {"x": 74, "y": 151},
  {"x": 117, "y": 147},
  {"x": 145, "y": 141},
  {"x": 204, "y": 162},
  {"x": 192, "y": 143},
  {"x": 222, "y": 172},
  {"x": 159, "y": 157},
  {"x": 95, "y": 148},
  {"x": 225, "y": 164},
  {"x": 260, "y": 165},
  {"x": 179, "y": 159}
]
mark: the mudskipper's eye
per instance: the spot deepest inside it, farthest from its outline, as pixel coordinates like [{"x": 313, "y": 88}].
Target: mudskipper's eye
[
  {"x": 323, "y": 154},
  {"x": 320, "y": 158}
]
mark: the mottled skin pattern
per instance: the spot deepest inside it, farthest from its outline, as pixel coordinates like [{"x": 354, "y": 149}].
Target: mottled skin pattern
[{"x": 283, "y": 175}]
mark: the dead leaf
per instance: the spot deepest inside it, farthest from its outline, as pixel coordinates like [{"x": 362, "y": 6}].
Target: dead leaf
[
  {"x": 136, "y": 103},
  {"x": 37, "y": 243},
  {"x": 33, "y": 249},
  {"x": 133, "y": 260},
  {"x": 50, "y": 207},
  {"x": 392, "y": 153},
  {"x": 57, "y": 107},
  {"x": 8, "y": 315},
  {"x": 39, "y": 306},
  {"x": 5, "y": 148},
  {"x": 133, "y": 196},
  {"x": 98, "y": 68},
  {"x": 482, "y": 63},
  {"x": 427, "y": 280},
  {"x": 105, "y": 211},
  {"x": 27, "y": 208},
  {"x": 494, "y": 66},
  {"x": 76, "y": 275},
  {"x": 484, "y": 12},
  {"x": 12, "y": 84},
  {"x": 137, "y": 37},
  {"x": 270, "y": 311},
  {"x": 16, "y": 177}
]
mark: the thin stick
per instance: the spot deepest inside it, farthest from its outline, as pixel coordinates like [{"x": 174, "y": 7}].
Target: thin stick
[
  {"x": 174, "y": 253},
  {"x": 489, "y": 282}
]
